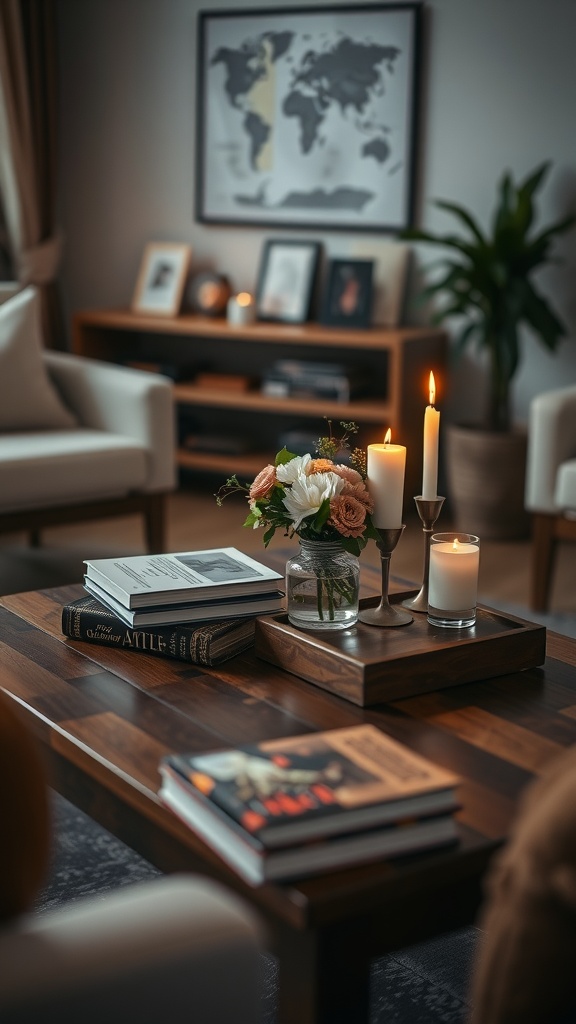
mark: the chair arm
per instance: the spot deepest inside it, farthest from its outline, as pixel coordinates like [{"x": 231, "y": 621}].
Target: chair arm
[
  {"x": 176, "y": 949},
  {"x": 551, "y": 440},
  {"x": 135, "y": 403}
]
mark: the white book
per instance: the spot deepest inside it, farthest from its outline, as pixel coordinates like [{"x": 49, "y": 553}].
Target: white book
[
  {"x": 201, "y": 611},
  {"x": 144, "y": 581}
]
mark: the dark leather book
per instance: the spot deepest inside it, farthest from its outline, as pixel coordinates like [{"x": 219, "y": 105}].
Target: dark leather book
[{"x": 206, "y": 643}]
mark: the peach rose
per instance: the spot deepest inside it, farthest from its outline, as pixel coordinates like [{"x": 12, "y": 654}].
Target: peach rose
[
  {"x": 347, "y": 515},
  {"x": 361, "y": 492},
  {"x": 263, "y": 483},
  {"x": 352, "y": 476},
  {"x": 320, "y": 466}
]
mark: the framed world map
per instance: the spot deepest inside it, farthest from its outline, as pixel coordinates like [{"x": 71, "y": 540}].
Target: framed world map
[{"x": 306, "y": 117}]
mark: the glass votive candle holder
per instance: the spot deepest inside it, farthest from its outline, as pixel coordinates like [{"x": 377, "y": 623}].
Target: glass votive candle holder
[{"x": 453, "y": 579}]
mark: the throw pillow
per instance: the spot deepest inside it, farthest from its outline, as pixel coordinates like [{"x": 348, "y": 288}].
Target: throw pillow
[{"x": 28, "y": 399}]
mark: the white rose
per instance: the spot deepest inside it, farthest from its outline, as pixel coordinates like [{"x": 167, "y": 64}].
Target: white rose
[{"x": 307, "y": 493}]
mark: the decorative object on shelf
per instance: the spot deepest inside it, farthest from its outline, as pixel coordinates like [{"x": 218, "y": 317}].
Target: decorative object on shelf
[
  {"x": 286, "y": 280},
  {"x": 161, "y": 279},
  {"x": 391, "y": 261},
  {"x": 208, "y": 293},
  {"x": 327, "y": 506},
  {"x": 453, "y": 588},
  {"x": 488, "y": 283},
  {"x": 347, "y": 299},
  {"x": 319, "y": 108},
  {"x": 240, "y": 309}
]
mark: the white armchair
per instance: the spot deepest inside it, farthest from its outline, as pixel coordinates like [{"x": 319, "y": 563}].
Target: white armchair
[
  {"x": 550, "y": 484},
  {"x": 79, "y": 439},
  {"x": 180, "y": 949}
]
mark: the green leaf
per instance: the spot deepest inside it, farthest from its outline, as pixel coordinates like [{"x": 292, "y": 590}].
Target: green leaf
[
  {"x": 464, "y": 216},
  {"x": 283, "y": 456}
]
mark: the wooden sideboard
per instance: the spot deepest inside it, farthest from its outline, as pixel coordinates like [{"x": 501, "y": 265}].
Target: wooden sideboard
[{"x": 396, "y": 363}]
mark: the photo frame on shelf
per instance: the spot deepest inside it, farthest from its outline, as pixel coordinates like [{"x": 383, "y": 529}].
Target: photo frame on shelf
[
  {"x": 389, "y": 278},
  {"x": 290, "y": 134},
  {"x": 161, "y": 279},
  {"x": 347, "y": 296},
  {"x": 286, "y": 280}
]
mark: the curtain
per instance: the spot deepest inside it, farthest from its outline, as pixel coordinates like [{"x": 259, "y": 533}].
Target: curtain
[{"x": 28, "y": 151}]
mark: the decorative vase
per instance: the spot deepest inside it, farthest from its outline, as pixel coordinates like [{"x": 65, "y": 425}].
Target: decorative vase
[
  {"x": 323, "y": 586},
  {"x": 486, "y": 479}
]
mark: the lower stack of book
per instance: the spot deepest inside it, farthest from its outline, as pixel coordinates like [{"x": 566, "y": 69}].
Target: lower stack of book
[
  {"x": 301, "y": 806},
  {"x": 197, "y": 606}
]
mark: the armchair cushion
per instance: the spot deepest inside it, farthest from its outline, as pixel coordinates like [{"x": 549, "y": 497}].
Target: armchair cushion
[
  {"x": 28, "y": 398},
  {"x": 551, "y": 445},
  {"x": 565, "y": 491}
]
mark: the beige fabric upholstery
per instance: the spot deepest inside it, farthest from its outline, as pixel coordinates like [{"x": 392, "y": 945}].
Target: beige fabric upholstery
[
  {"x": 551, "y": 445},
  {"x": 180, "y": 949},
  {"x": 28, "y": 398}
]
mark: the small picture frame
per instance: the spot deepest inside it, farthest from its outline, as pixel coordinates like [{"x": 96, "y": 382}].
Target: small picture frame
[
  {"x": 286, "y": 280},
  {"x": 161, "y": 279},
  {"x": 347, "y": 298}
]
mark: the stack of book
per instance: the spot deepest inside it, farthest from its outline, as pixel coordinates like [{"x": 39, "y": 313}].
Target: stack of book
[
  {"x": 308, "y": 804},
  {"x": 144, "y": 602},
  {"x": 299, "y": 378}
]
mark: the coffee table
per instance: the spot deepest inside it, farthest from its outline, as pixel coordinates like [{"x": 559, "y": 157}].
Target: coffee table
[{"x": 105, "y": 717}]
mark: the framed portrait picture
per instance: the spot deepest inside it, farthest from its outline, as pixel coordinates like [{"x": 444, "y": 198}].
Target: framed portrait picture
[
  {"x": 161, "y": 279},
  {"x": 286, "y": 280},
  {"x": 307, "y": 116},
  {"x": 347, "y": 299}
]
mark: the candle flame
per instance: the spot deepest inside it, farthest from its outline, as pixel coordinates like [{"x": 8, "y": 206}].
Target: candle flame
[
  {"x": 243, "y": 298},
  {"x": 456, "y": 544},
  {"x": 388, "y": 436},
  {"x": 432, "y": 388}
]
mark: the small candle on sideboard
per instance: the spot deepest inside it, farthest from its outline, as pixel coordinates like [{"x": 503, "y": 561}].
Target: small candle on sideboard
[
  {"x": 240, "y": 309},
  {"x": 386, "y": 465},
  {"x": 431, "y": 437}
]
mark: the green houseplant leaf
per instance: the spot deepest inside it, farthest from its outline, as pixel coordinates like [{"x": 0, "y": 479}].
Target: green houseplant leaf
[{"x": 486, "y": 280}]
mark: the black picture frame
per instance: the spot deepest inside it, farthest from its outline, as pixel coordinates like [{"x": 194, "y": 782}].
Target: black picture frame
[
  {"x": 306, "y": 117},
  {"x": 286, "y": 277},
  {"x": 348, "y": 293}
]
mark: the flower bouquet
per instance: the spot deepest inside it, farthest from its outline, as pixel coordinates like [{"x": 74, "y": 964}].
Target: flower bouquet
[{"x": 326, "y": 504}]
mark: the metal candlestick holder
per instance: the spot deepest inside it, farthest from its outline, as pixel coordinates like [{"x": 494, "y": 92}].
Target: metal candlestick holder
[
  {"x": 386, "y": 614},
  {"x": 428, "y": 510}
]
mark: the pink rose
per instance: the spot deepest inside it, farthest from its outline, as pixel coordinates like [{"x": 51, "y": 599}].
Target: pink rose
[
  {"x": 360, "y": 491},
  {"x": 347, "y": 515},
  {"x": 263, "y": 483},
  {"x": 352, "y": 476}
]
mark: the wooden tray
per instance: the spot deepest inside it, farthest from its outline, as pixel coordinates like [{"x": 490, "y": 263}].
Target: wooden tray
[{"x": 370, "y": 665}]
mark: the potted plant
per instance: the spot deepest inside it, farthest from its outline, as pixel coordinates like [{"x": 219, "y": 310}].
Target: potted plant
[{"x": 487, "y": 281}]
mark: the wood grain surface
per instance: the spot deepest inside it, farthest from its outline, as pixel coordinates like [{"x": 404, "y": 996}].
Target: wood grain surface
[{"x": 105, "y": 717}]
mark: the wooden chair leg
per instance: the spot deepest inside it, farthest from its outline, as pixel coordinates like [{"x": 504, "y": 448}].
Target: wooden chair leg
[
  {"x": 155, "y": 523},
  {"x": 544, "y": 542}
]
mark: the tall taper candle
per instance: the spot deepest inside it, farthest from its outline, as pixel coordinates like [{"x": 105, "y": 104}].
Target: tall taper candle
[
  {"x": 386, "y": 465},
  {"x": 431, "y": 435}
]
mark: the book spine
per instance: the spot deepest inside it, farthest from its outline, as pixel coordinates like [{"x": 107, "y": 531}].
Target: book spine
[{"x": 172, "y": 641}]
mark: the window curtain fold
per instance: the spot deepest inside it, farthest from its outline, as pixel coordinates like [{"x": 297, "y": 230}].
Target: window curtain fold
[{"x": 28, "y": 151}]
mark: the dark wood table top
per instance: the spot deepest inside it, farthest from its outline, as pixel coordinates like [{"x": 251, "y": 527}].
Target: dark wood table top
[{"x": 105, "y": 717}]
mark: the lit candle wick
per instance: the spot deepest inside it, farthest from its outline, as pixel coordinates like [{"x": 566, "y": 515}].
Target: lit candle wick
[
  {"x": 388, "y": 436},
  {"x": 432, "y": 389},
  {"x": 455, "y": 544}
]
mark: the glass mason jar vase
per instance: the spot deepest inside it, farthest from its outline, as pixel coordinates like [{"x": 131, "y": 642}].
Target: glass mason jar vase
[{"x": 322, "y": 584}]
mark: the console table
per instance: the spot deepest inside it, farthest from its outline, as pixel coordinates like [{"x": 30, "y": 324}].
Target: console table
[
  {"x": 396, "y": 362},
  {"x": 105, "y": 717}
]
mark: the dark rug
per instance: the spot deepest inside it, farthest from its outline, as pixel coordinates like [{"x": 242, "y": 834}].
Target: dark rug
[{"x": 423, "y": 984}]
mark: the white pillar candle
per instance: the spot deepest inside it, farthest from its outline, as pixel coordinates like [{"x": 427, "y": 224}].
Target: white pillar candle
[
  {"x": 431, "y": 436},
  {"x": 453, "y": 579},
  {"x": 240, "y": 309},
  {"x": 386, "y": 465}
]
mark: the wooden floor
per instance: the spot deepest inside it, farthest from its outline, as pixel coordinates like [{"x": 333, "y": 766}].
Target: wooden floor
[{"x": 195, "y": 521}]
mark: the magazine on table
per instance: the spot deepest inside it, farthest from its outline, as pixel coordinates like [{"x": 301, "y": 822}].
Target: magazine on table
[{"x": 142, "y": 581}]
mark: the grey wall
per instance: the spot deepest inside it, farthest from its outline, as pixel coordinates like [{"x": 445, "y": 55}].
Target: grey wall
[{"x": 499, "y": 88}]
